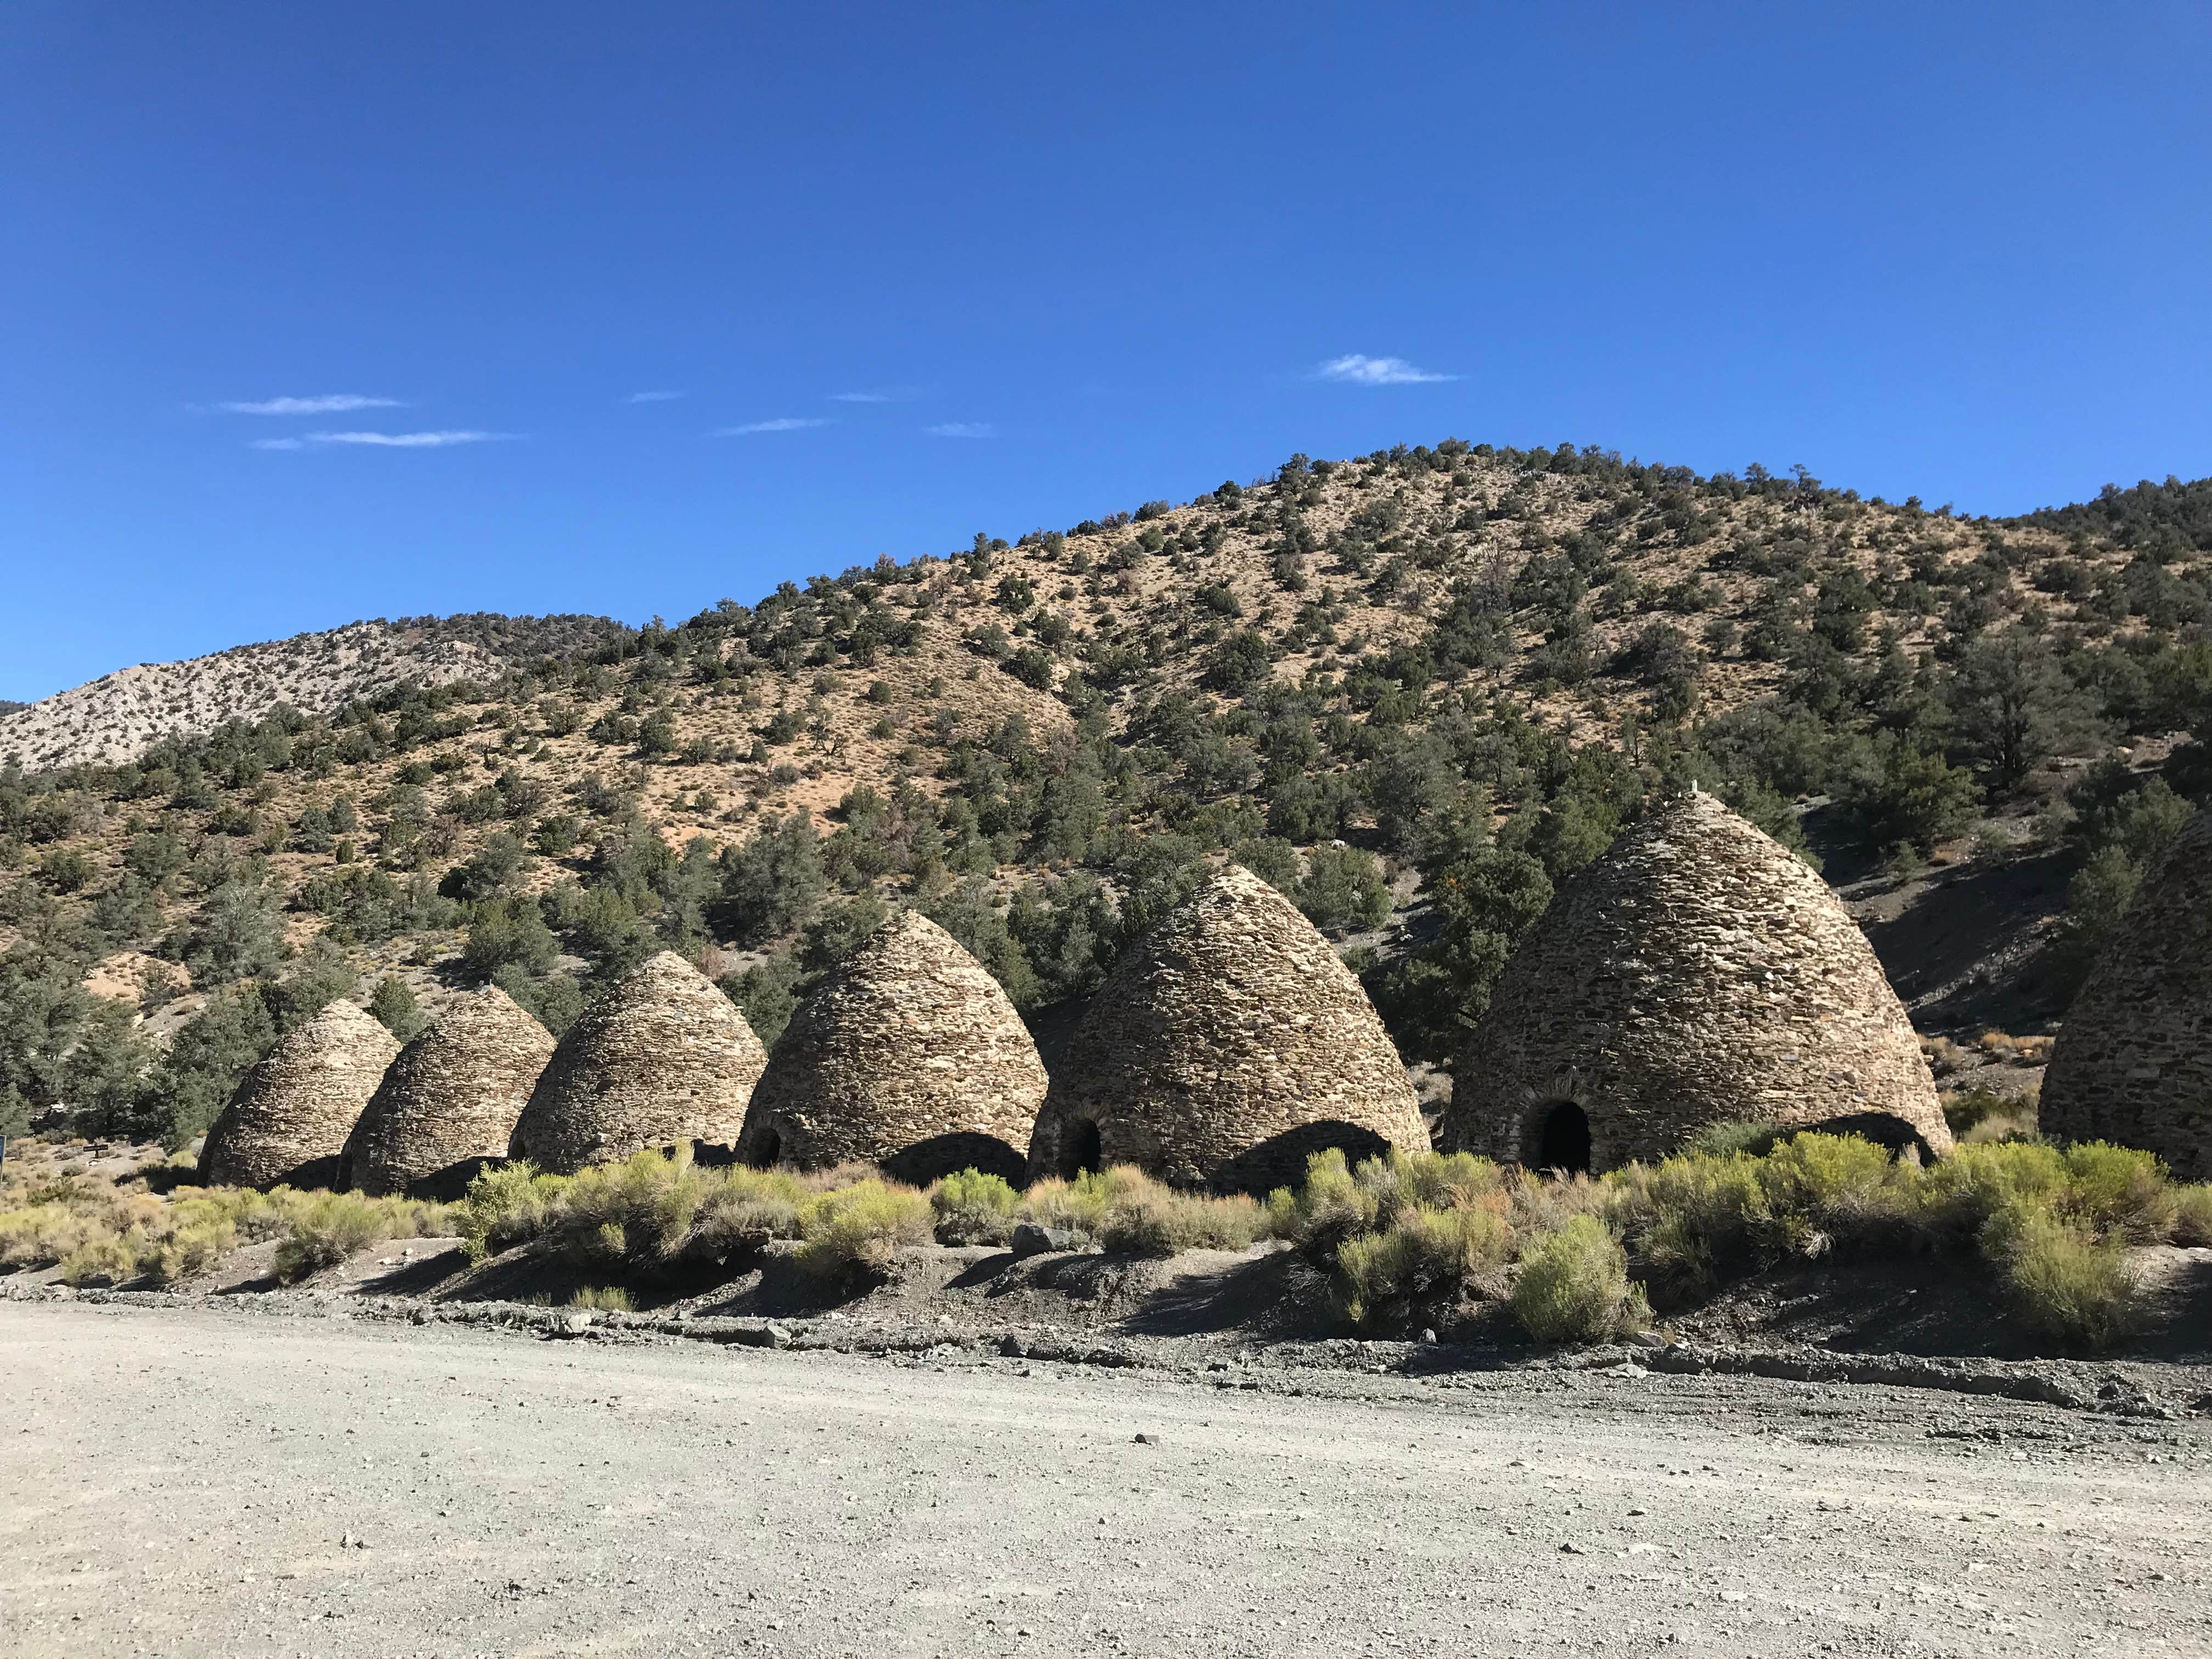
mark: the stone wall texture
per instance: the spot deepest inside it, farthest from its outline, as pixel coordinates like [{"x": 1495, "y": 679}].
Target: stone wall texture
[
  {"x": 909, "y": 1056},
  {"x": 1697, "y": 973},
  {"x": 2133, "y": 1063},
  {"x": 662, "y": 1060},
  {"x": 1227, "y": 1044},
  {"x": 287, "y": 1123},
  {"x": 450, "y": 1101}
]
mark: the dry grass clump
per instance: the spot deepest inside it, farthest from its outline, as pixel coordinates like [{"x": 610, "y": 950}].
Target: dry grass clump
[
  {"x": 94, "y": 1232},
  {"x": 607, "y": 1299},
  {"x": 1160, "y": 1221},
  {"x": 2020, "y": 1050},
  {"x": 1123, "y": 1209},
  {"x": 2054, "y": 1224},
  {"x": 1080, "y": 1205}
]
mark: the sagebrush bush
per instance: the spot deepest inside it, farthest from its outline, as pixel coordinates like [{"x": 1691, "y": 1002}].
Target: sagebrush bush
[
  {"x": 2119, "y": 1192},
  {"x": 1080, "y": 1205},
  {"x": 861, "y": 1227},
  {"x": 974, "y": 1208},
  {"x": 1331, "y": 1205},
  {"x": 2062, "y": 1281},
  {"x": 1160, "y": 1222},
  {"x": 1424, "y": 1250},
  {"x": 1816, "y": 1190},
  {"x": 102, "y": 1258},
  {"x": 1574, "y": 1286},
  {"x": 1691, "y": 1221},
  {"x": 328, "y": 1227},
  {"x": 505, "y": 1206},
  {"x": 2192, "y": 1214},
  {"x": 1959, "y": 1195}
]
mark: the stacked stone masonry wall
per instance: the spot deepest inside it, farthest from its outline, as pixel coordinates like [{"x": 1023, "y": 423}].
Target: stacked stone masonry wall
[
  {"x": 909, "y": 1054},
  {"x": 1697, "y": 973},
  {"x": 451, "y": 1098},
  {"x": 2133, "y": 1063},
  {"x": 287, "y": 1122},
  {"x": 1226, "y": 1044},
  {"x": 664, "y": 1059}
]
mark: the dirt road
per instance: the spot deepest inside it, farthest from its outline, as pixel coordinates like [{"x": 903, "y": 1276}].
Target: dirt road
[{"x": 205, "y": 1482}]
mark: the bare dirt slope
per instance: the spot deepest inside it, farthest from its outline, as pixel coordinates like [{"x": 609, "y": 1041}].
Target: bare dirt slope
[
  {"x": 212, "y": 1482},
  {"x": 117, "y": 717}
]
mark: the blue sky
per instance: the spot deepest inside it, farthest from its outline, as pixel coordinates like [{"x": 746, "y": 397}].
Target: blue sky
[{"x": 691, "y": 298}]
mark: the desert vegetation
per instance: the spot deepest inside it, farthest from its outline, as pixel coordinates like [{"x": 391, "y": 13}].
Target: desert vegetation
[{"x": 1451, "y": 1241}]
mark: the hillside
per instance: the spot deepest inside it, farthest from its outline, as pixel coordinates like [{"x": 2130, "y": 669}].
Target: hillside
[
  {"x": 119, "y": 716},
  {"x": 1414, "y": 690}
]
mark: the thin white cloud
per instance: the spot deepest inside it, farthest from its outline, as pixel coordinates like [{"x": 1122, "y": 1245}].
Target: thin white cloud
[
  {"x": 331, "y": 402},
  {"x": 653, "y": 397},
  {"x": 889, "y": 394},
  {"x": 780, "y": 423},
  {"x": 1358, "y": 370},
  {"x": 962, "y": 429},
  {"x": 385, "y": 440}
]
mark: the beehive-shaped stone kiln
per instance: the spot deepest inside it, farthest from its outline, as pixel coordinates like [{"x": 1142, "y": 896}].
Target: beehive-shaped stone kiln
[
  {"x": 2133, "y": 1063},
  {"x": 1697, "y": 974},
  {"x": 289, "y": 1119},
  {"x": 449, "y": 1103},
  {"x": 1228, "y": 1043},
  {"x": 662, "y": 1060},
  {"x": 909, "y": 1056}
]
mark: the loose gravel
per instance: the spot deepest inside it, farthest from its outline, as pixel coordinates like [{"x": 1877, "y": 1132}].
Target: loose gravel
[{"x": 197, "y": 1480}]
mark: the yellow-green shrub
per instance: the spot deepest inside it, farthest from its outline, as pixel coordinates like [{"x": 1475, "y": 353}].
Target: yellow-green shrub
[
  {"x": 1424, "y": 1248},
  {"x": 861, "y": 1226},
  {"x": 1574, "y": 1286},
  {"x": 1159, "y": 1221},
  {"x": 974, "y": 1208},
  {"x": 2119, "y": 1192},
  {"x": 328, "y": 1227},
  {"x": 2062, "y": 1280},
  {"x": 1080, "y": 1205}
]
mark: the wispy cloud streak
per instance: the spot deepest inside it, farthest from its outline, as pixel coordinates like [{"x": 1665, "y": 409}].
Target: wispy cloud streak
[
  {"x": 780, "y": 423},
  {"x": 1358, "y": 370},
  {"x": 331, "y": 402},
  {"x": 385, "y": 440},
  {"x": 962, "y": 429},
  {"x": 653, "y": 397},
  {"x": 889, "y": 394}
]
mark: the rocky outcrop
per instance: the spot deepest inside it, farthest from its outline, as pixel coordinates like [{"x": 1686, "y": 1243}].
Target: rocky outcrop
[
  {"x": 449, "y": 1103},
  {"x": 1697, "y": 973},
  {"x": 289, "y": 1120},
  {"x": 1227, "y": 1045},
  {"x": 909, "y": 1056},
  {"x": 662, "y": 1060},
  {"x": 2133, "y": 1063}
]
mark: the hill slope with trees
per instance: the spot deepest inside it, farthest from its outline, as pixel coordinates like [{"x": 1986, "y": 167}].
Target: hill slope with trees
[{"x": 1415, "y": 691}]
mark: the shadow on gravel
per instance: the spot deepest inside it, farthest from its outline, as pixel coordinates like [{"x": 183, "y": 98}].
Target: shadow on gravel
[
  {"x": 1277, "y": 1296},
  {"x": 418, "y": 1278}
]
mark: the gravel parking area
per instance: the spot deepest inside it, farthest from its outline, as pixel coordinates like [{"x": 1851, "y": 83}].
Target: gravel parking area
[{"x": 205, "y": 1481}]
